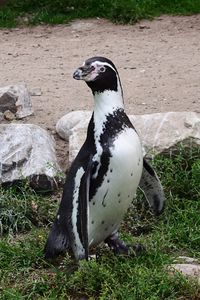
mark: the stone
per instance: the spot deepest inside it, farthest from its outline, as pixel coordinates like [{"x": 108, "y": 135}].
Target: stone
[
  {"x": 142, "y": 26},
  {"x": 16, "y": 98},
  {"x": 28, "y": 152},
  {"x": 36, "y": 92},
  {"x": 187, "y": 266},
  {"x": 8, "y": 115},
  {"x": 189, "y": 270},
  {"x": 74, "y": 120},
  {"x": 159, "y": 132}
]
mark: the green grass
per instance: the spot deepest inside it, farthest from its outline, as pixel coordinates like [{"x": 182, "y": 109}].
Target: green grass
[
  {"x": 17, "y": 12},
  {"x": 24, "y": 274},
  {"x": 21, "y": 209}
]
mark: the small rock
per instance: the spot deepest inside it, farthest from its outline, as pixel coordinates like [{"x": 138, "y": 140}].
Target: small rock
[
  {"x": 16, "y": 98},
  {"x": 36, "y": 92},
  {"x": 15, "y": 54},
  {"x": 8, "y": 115},
  {"x": 144, "y": 26},
  {"x": 188, "y": 270}
]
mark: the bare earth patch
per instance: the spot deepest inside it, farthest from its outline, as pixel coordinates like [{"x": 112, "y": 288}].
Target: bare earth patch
[{"x": 158, "y": 61}]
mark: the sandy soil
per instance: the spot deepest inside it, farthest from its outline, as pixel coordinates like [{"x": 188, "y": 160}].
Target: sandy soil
[{"x": 158, "y": 61}]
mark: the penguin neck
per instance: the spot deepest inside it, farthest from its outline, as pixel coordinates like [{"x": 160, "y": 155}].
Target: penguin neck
[{"x": 105, "y": 104}]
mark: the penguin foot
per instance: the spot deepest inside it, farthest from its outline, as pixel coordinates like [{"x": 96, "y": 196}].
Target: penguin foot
[
  {"x": 136, "y": 250},
  {"x": 119, "y": 247}
]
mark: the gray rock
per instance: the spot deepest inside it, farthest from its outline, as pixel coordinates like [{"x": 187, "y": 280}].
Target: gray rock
[
  {"x": 16, "y": 99},
  {"x": 158, "y": 132},
  {"x": 187, "y": 266},
  {"x": 73, "y": 121},
  {"x": 27, "y": 152}
]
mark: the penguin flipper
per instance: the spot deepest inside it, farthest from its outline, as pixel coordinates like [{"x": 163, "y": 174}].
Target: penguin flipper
[
  {"x": 57, "y": 241},
  {"x": 152, "y": 188},
  {"x": 84, "y": 206}
]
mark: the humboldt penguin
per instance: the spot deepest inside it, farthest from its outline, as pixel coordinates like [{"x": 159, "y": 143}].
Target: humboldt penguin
[{"x": 106, "y": 173}]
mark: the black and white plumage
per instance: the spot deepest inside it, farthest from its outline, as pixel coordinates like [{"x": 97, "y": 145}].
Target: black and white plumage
[{"x": 104, "y": 176}]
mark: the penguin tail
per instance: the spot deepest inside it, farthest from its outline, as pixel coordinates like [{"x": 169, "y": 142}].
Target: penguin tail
[
  {"x": 152, "y": 188},
  {"x": 57, "y": 242}
]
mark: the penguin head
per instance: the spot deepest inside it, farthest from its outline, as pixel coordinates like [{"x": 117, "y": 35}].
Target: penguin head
[{"x": 99, "y": 73}]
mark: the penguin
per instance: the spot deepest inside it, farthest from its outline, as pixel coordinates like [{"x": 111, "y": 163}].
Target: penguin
[{"x": 104, "y": 177}]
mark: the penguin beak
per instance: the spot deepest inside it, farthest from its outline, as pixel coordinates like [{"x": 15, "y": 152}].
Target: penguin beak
[
  {"x": 82, "y": 72},
  {"x": 78, "y": 74}
]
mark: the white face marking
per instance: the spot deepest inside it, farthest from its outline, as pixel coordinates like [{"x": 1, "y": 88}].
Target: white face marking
[
  {"x": 99, "y": 67},
  {"x": 98, "y": 64},
  {"x": 79, "y": 251}
]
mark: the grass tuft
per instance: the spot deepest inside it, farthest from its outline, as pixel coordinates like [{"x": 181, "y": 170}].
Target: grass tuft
[{"x": 21, "y": 209}]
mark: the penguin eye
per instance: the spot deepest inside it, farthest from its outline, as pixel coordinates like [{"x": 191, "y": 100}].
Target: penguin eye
[
  {"x": 92, "y": 68},
  {"x": 102, "y": 69}
]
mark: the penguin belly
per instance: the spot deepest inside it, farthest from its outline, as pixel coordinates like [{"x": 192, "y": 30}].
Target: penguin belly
[{"x": 112, "y": 199}]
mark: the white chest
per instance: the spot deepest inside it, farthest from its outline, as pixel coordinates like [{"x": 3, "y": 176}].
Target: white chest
[{"x": 110, "y": 203}]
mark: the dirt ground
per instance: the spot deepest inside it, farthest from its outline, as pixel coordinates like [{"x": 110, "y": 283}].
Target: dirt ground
[{"x": 158, "y": 62}]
